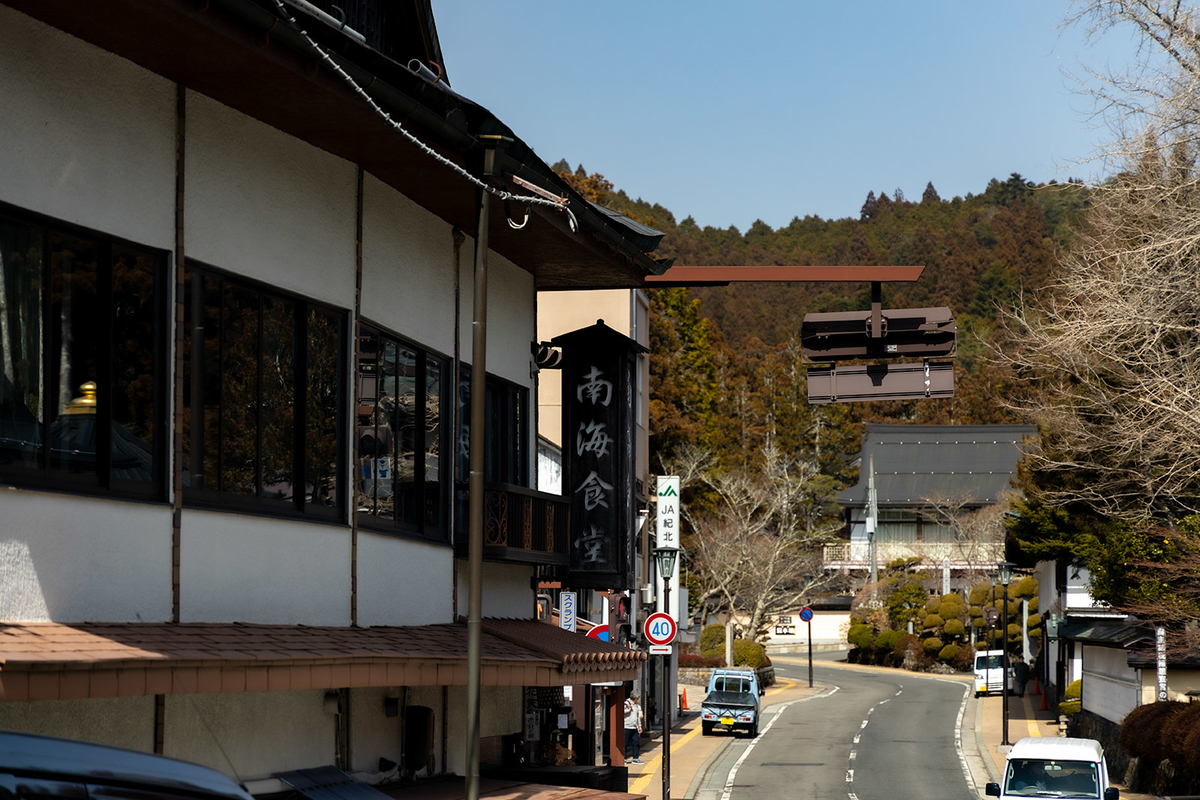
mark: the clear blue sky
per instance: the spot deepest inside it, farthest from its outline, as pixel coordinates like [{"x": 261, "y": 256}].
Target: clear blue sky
[{"x": 735, "y": 111}]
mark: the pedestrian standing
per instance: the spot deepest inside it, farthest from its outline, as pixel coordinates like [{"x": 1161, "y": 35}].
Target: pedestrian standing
[
  {"x": 1020, "y": 676},
  {"x": 633, "y": 730}
]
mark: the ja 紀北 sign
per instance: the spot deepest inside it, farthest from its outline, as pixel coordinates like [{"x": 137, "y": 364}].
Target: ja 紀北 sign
[{"x": 667, "y": 532}]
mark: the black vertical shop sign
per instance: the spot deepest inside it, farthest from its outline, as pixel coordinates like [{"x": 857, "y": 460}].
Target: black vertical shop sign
[{"x": 599, "y": 380}]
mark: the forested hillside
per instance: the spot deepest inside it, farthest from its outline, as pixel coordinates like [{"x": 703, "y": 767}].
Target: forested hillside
[{"x": 726, "y": 371}]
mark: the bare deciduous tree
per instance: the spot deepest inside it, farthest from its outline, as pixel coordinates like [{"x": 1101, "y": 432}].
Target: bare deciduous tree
[
  {"x": 1114, "y": 345},
  {"x": 978, "y": 530},
  {"x": 759, "y": 552}
]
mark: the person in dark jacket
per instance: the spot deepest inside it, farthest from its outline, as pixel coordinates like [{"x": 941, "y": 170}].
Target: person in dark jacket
[{"x": 1020, "y": 676}]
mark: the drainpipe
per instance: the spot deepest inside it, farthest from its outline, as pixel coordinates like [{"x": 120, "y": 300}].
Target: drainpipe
[{"x": 491, "y": 161}]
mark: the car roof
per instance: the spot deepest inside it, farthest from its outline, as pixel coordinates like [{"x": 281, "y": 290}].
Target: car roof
[
  {"x": 1056, "y": 748},
  {"x": 66, "y": 759}
]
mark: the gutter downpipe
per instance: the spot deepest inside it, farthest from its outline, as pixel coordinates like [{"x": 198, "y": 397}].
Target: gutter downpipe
[{"x": 491, "y": 160}]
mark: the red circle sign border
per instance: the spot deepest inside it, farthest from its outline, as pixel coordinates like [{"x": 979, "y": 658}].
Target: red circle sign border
[{"x": 650, "y": 620}]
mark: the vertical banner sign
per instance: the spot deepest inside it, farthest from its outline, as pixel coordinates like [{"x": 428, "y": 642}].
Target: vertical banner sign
[
  {"x": 1160, "y": 646},
  {"x": 566, "y": 611},
  {"x": 666, "y": 533},
  {"x": 598, "y": 454}
]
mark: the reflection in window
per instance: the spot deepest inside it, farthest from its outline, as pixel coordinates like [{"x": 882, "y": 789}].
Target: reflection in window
[
  {"x": 505, "y": 431},
  {"x": 81, "y": 392},
  {"x": 401, "y": 476},
  {"x": 262, "y": 398}
]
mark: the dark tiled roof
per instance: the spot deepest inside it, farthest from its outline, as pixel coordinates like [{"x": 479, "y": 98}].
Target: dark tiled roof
[{"x": 914, "y": 462}]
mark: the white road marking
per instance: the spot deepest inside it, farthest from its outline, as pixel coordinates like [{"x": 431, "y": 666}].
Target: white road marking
[
  {"x": 958, "y": 747},
  {"x": 849, "y": 776},
  {"x": 864, "y": 724},
  {"x": 853, "y": 754},
  {"x": 728, "y": 791},
  {"x": 857, "y": 736}
]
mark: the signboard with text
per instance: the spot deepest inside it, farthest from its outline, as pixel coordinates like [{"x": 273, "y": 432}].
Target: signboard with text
[
  {"x": 598, "y": 378},
  {"x": 566, "y": 611}
]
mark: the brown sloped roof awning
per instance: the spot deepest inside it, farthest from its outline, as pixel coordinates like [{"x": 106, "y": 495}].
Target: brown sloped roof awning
[{"x": 55, "y": 661}]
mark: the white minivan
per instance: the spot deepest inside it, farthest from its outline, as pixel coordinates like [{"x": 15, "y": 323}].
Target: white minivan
[
  {"x": 989, "y": 672},
  {"x": 1049, "y": 766}
]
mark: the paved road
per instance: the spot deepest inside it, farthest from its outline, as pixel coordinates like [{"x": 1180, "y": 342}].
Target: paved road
[{"x": 868, "y": 736}]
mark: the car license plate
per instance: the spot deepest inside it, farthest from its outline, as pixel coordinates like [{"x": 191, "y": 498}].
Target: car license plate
[{"x": 726, "y": 720}]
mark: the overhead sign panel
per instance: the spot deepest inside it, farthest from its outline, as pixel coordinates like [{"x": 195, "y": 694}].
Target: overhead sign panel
[
  {"x": 851, "y": 384},
  {"x": 900, "y": 333}
]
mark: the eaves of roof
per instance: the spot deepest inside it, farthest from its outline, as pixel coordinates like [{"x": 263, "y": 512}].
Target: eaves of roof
[
  {"x": 55, "y": 661},
  {"x": 240, "y": 53}
]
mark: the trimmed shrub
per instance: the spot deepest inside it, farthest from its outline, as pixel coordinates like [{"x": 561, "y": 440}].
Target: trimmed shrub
[
  {"x": 1071, "y": 703},
  {"x": 934, "y": 621},
  {"x": 713, "y": 638},
  {"x": 932, "y": 645},
  {"x": 1175, "y": 731},
  {"x": 1191, "y": 746},
  {"x": 932, "y": 604},
  {"x": 954, "y": 627},
  {"x": 861, "y": 635},
  {"x": 1143, "y": 731},
  {"x": 748, "y": 654},
  {"x": 905, "y": 641},
  {"x": 1026, "y": 587},
  {"x": 949, "y": 652},
  {"x": 886, "y": 640}
]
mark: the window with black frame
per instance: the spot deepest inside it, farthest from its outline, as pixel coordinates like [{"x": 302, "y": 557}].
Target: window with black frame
[
  {"x": 402, "y": 476},
  {"x": 506, "y": 431},
  {"x": 82, "y": 375},
  {"x": 264, "y": 399}
]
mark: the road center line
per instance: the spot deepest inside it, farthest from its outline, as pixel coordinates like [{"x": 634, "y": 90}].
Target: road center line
[{"x": 728, "y": 791}]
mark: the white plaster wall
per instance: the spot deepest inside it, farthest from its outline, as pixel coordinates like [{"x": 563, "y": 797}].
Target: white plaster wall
[
  {"x": 267, "y": 205},
  {"x": 65, "y": 558},
  {"x": 373, "y": 734},
  {"x": 408, "y": 268},
  {"x": 115, "y": 721},
  {"x": 506, "y": 590},
  {"x": 501, "y": 712},
  {"x": 88, "y": 137},
  {"x": 239, "y": 568},
  {"x": 402, "y": 582},
  {"x": 512, "y": 316},
  {"x": 1111, "y": 688},
  {"x": 250, "y": 735}
]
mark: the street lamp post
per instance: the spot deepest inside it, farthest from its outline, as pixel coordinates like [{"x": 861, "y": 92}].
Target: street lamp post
[
  {"x": 666, "y": 565},
  {"x": 1005, "y": 570}
]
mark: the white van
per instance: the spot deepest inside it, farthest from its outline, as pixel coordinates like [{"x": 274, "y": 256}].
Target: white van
[
  {"x": 1047, "y": 766},
  {"x": 989, "y": 672}
]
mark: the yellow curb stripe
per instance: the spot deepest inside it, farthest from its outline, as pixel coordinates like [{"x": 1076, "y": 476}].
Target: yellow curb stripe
[
  {"x": 1030, "y": 718},
  {"x": 652, "y": 766}
]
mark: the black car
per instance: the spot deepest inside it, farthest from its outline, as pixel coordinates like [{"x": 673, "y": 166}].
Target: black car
[{"x": 42, "y": 767}]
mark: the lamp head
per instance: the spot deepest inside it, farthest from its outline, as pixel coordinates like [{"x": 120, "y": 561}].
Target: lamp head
[
  {"x": 1005, "y": 569},
  {"x": 665, "y": 556}
]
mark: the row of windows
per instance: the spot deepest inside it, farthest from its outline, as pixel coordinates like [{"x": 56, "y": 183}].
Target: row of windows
[{"x": 84, "y": 391}]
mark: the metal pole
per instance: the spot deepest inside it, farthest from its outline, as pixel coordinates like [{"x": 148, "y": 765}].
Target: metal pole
[
  {"x": 666, "y": 703},
  {"x": 810, "y": 681},
  {"x": 475, "y": 486},
  {"x": 1004, "y": 662}
]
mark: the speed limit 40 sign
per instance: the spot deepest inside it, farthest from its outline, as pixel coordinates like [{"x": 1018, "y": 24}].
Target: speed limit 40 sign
[{"x": 660, "y": 628}]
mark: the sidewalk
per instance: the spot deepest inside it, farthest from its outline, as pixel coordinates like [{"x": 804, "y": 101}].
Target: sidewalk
[{"x": 692, "y": 753}]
